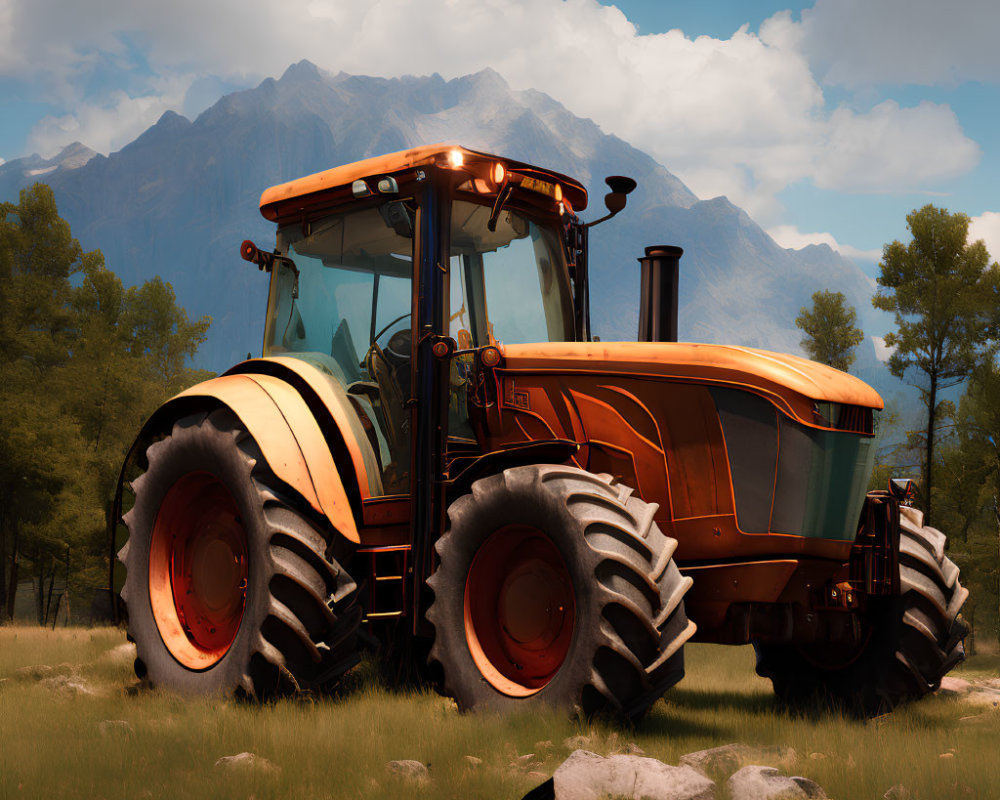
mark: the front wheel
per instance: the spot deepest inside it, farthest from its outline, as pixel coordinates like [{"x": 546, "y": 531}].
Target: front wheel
[
  {"x": 912, "y": 641},
  {"x": 228, "y": 587},
  {"x": 556, "y": 587}
]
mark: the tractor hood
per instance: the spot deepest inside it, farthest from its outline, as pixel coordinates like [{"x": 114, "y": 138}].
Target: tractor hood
[{"x": 791, "y": 382}]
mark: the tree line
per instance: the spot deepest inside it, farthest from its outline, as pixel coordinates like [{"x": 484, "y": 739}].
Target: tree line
[
  {"x": 944, "y": 295},
  {"x": 83, "y": 362}
]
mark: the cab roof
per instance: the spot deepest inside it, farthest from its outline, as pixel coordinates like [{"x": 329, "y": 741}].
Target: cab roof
[{"x": 428, "y": 155}]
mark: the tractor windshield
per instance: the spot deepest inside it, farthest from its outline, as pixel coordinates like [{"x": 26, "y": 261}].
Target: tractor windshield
[
  {"x": 345, "y": 307},
  {"x": 509, "y": 285}
]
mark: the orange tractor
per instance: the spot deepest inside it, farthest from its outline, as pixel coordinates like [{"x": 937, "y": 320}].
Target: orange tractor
[{"x": 435, "y": 454}]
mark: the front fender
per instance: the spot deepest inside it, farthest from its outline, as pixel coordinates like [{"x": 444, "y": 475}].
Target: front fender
[
  {"x": 290, "y": 438},
  {"x": 285, "y": 427}
]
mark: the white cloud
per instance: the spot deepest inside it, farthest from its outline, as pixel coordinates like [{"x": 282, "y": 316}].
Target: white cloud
[
  {"x": 108, "y": 125},
  {"x": 882, "y": 351},
  {"x": 742, "y": 116},
  {"x": 928, "y": 42},
  {"x": 892, "y": 148},
  {"x": 790, "y": 237},
  {"x": 987, "y": 227}
]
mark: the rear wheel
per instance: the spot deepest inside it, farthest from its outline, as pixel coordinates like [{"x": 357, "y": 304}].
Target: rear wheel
[
  {"x": 227, "y": 586},
  {"x": 556, "y": 587},
  {"x": 911, "y": 642}
]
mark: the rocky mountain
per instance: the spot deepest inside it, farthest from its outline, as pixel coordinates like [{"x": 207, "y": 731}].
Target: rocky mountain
[
  {"x": 178, "y": 200},
  {"x": 23, "y": 171}
]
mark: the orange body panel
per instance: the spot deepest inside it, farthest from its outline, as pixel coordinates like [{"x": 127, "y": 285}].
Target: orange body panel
[
  {"x": 791, "y": 382},
  {"x": 643, "y": 413},
  {"x": 289, "y": 437}
]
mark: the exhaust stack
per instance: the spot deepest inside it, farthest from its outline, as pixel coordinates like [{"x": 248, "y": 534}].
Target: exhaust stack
[{"x": 658, "y": 293}]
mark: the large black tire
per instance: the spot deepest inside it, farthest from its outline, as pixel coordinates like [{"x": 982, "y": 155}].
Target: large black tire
[
  {"x": 300, "y": 615},
  {"x": 624, "y": 649},
  {"x": 911, "y": 641}
]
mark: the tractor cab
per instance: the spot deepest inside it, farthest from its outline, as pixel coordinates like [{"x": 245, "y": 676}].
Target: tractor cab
[{"x": 440, "y": 251}]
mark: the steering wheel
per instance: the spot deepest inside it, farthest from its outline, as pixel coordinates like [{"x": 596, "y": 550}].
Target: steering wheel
[
  {"x": 398, "y": 319},
  {"x": 397, "y": 348}
]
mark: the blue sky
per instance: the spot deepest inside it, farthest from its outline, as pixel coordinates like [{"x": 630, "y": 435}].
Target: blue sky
[{"x": 827, "y": 121}]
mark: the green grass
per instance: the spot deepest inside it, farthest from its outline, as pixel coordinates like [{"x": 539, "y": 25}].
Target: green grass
[{"x": 51, "y": 745}]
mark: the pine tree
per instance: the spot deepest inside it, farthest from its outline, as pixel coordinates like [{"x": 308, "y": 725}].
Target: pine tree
[
  {"x": 945, "y": 297},
  {"x": 829, "y": 325}
]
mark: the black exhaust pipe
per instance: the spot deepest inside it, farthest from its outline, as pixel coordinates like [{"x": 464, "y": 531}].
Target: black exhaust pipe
[{"x": 658, "y": 293}]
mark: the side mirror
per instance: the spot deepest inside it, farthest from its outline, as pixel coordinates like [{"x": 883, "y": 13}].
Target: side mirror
[
  {"x": 621, "y": 187},
  {"x": 616, "y": 199}
]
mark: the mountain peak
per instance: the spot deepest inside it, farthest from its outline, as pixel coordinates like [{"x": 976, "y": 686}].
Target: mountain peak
[
  {"x": 485, "y": 80},
  {"x": 167, "y": 127},
  {"x": 303, "y": 70},
  {"x": 171, "y": 121},
  {"x": 74, "y": 156}
]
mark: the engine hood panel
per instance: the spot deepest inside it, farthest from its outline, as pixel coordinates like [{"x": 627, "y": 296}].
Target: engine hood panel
[{"x": 778, "y": 375}]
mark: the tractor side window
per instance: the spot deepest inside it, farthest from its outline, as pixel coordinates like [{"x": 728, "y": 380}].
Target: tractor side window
[{"x": 344, "y": 305}]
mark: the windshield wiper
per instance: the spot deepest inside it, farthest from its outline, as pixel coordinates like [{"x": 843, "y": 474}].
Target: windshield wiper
[{"x": 502, "y": 197}]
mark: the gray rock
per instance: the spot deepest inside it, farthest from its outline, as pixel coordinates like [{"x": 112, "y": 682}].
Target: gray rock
[
  {"x": 408, "y": 768},
  {"x": 69, "y": 685},
  {"x": 730, "y": 757},
  {"x": 951, "y": 685},
  {"x": 588, "y": 776},
  {"x": 983, "y": 697},
  {"x": 766, "y": 783},
  {"x": 113, "y": 727},
  {"x": 33, "y": 673},
  {"x": 246, "y": 762}
]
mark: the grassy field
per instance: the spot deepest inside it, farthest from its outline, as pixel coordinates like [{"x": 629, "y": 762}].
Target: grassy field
[{"x": 52, "y": 743}]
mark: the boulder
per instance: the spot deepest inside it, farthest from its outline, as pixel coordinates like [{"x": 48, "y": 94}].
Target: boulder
[
  {"x": 35, "y": 672},
  {"x": 983, "y": 697},
  {"x": 116, "y": 727},
  {"x": 951, "y": 685},
  {"x": 246, "y": 762},
  {"x": 474, "y": 760},
  {"x": 898, "y": 792},
  {"x": 69, "y": 685},
  {"x": 588, "y": 776},
  {"x": 766, "y": 783},
  {"x": 407, "y": 768},
  {"x": 730, "y": 757}
]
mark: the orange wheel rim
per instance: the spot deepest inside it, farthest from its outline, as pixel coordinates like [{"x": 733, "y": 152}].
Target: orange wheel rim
[
  {"x": 520, "y": 610},
  {"x": 198, "y": 570}
]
